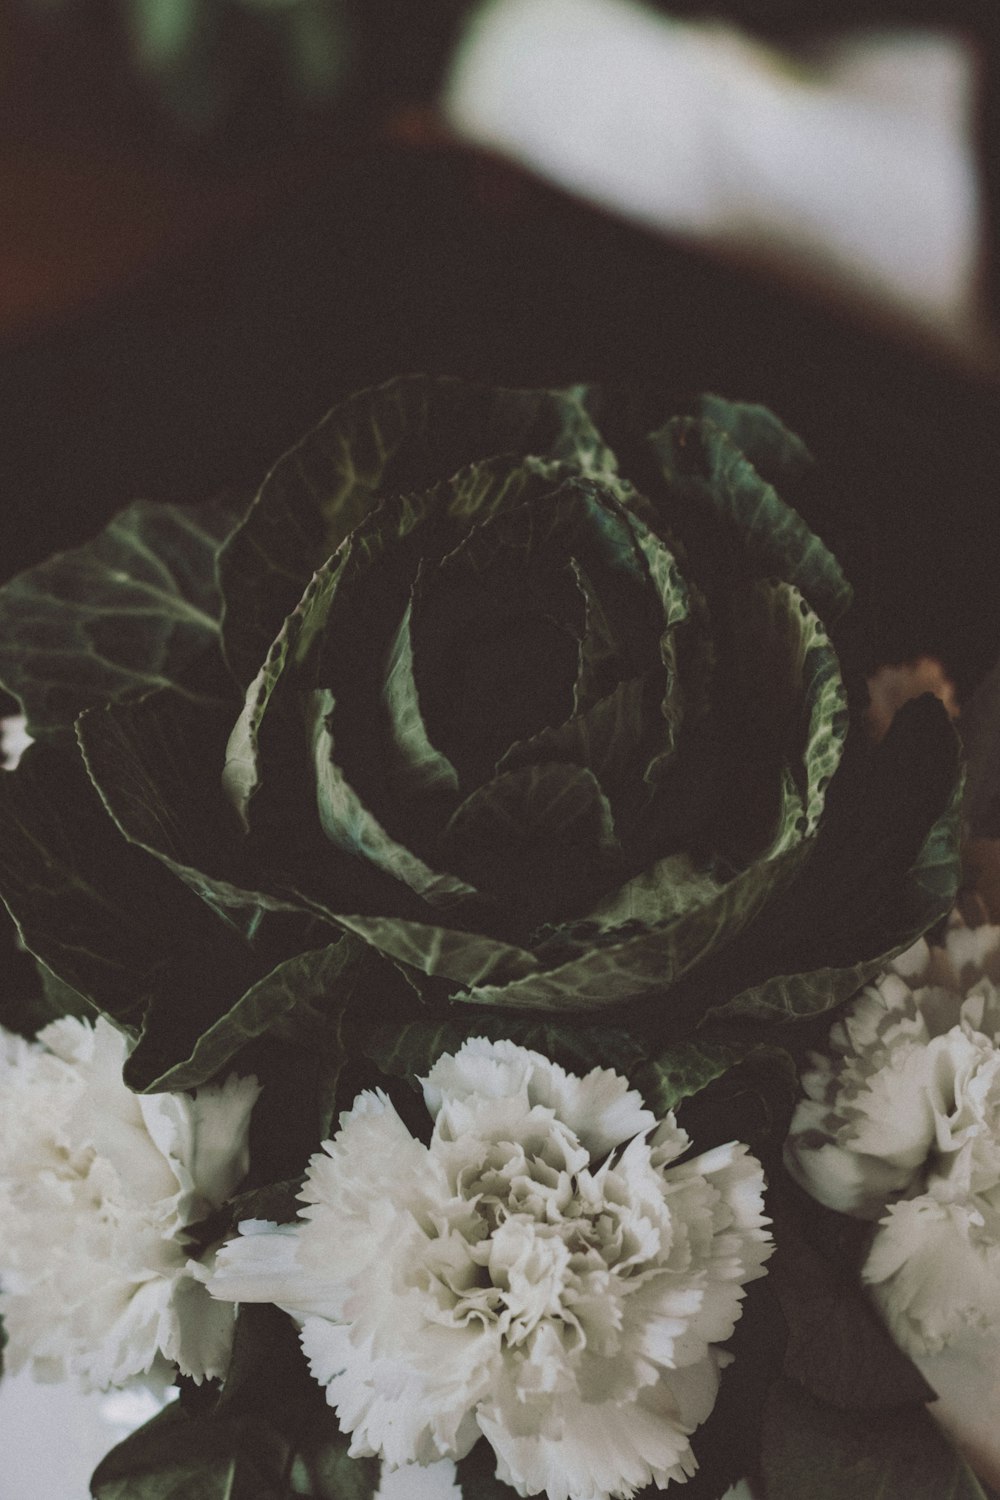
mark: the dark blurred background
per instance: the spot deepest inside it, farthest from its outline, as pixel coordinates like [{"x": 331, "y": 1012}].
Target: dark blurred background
[{"x": 219, "y": 221}]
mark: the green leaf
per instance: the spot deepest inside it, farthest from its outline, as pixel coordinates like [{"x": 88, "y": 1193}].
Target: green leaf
[
  {"x": 350, "y": 825},
  {"x": 155, "y": 762},
  {"x": 889, "y": 851},
  {"x": 268, "y": 1436},
  {"x": 795, "y": 697},
  {"x": 519, "y": 833},
  {"x": 779, "y": 457},
  {"x": 32, "y": 996},
  {"x": 614, "y": 964},
  {"x": 322, "y": 1469},
  {"x": 395, "y": 439},
  {"x": 812, "y": 1451},
  {"x": 734, "y": 519},
  {"x": 727, "y": 1444},
  {"x": 838, "y": 1348},
  {"x": 607, "y": 965},
  {"x": 177, "y": 1456},
  {"x": 110, "y": 922},
  {"x": 465, "y": 958},
  {"x": 420, "y": 769},
  {"x": 300, "y": 1000},
  {"x": 605, "y": 738},
  {"x": 477, "y": 1475},
  {"x": 683, "y": 1071},
  {"x": 751, "y": 1101},
  {"x": 979, "y": 727},
  {"x": 124, "y": 613},
  {"x": 277, "y": 1202},
  {"x": 411, "y": 1049}
]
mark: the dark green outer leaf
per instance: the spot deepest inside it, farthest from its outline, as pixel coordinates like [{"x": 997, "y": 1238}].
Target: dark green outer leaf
[
  {"x": 410, "y": 1050},
  {"x": 683, "y": 1071},
  {"x": 980, "y": 730},
  {"x": 30, "y": 1003},
  {"x": 278, "y": 1202},
  {"x": 420, "y": 769},
  {"x": 814, "y": 1452},
  {"x": 867, "y": 890},
  {"x": 727, "y": 1445},
  {"x": 779, "y": 457},
  {"x": 182, "y": 1457},
  {"x": 839, "y": 1350},
  {"x": 626, "y": 967},
  {"x": 155, "y": 762},
  {"x": 718, "y": 488},
  {"x": 299, "y": 996},
  {"x": 323, "y": 1471},
  {"x": 124, "y": 613},
  {"x": 394, "y": 439},
  {"x": 349, "y": 824},
  {"x": 477, "y": 1475},
  {"x": 109, "y": 921},
  {"x": 269, "y": 1383}
]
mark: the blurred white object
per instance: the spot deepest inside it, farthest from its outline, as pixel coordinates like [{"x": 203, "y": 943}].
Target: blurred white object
[
  {"x": 53, "y": 1436},
  {"x": 857, "y": 171},
  {"x": 411, "y": 1482},
  {"x": 14, "y": 740}
]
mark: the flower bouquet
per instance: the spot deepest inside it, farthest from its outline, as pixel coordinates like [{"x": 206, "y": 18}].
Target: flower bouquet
[{"x": 485, "y": 1041}]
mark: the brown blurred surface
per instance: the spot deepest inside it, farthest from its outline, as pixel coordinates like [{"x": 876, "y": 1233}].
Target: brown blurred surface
[
  {"x": 79, "y": 225},
  {"x": 169, "y": 323},
  {"x": 96, "y": 190}
]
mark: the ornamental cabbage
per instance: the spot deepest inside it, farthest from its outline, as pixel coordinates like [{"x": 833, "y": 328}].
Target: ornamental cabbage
[{"x": 539, "y": 722}]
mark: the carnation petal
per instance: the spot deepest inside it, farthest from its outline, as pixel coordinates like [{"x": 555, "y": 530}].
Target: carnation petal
[
  {"x": 263, "y": 1265},
  {"x": 932, "y": 1273},
  {"x": 96, "y": 1193},
  {"x": 599, "y": 1108},
  {"x": 200, "y": 1338},
  {"x": 516, "y": 1277},
  {"x": 220, "y": 1130}
]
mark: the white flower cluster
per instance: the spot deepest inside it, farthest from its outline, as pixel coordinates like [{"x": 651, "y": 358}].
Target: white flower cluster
[
  {"x": 97, "y": 1188},
  {"x": 901, "y": 1124},
  {"x": 545, "y": 1273}
]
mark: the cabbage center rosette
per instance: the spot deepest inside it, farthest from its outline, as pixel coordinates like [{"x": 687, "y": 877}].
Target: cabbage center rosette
[
  {"x": 901, "y": 1124},
  {"x": 546, "y": 1274},
  {"x": 566, "y": 769},
  {"x": 97, "y": 1190}
]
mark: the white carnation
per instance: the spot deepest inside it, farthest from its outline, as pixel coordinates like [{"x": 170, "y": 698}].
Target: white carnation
[
  {"x": 545, "y": 1273},
  {"x": 97, "y": 1188},
  {"x": 901, "y": 1124}
]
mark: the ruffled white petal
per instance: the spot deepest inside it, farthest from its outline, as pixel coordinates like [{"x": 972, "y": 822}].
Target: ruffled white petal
[
  {"x": 545, "y": 1273},
  {"x": 934, "y": 1269},
  {"x": 901, "y": 1123},
  {"x": 97, "y": 1189}
]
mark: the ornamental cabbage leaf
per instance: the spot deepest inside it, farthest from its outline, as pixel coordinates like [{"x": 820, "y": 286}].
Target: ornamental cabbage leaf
[{"x": 535, "y": 698}]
